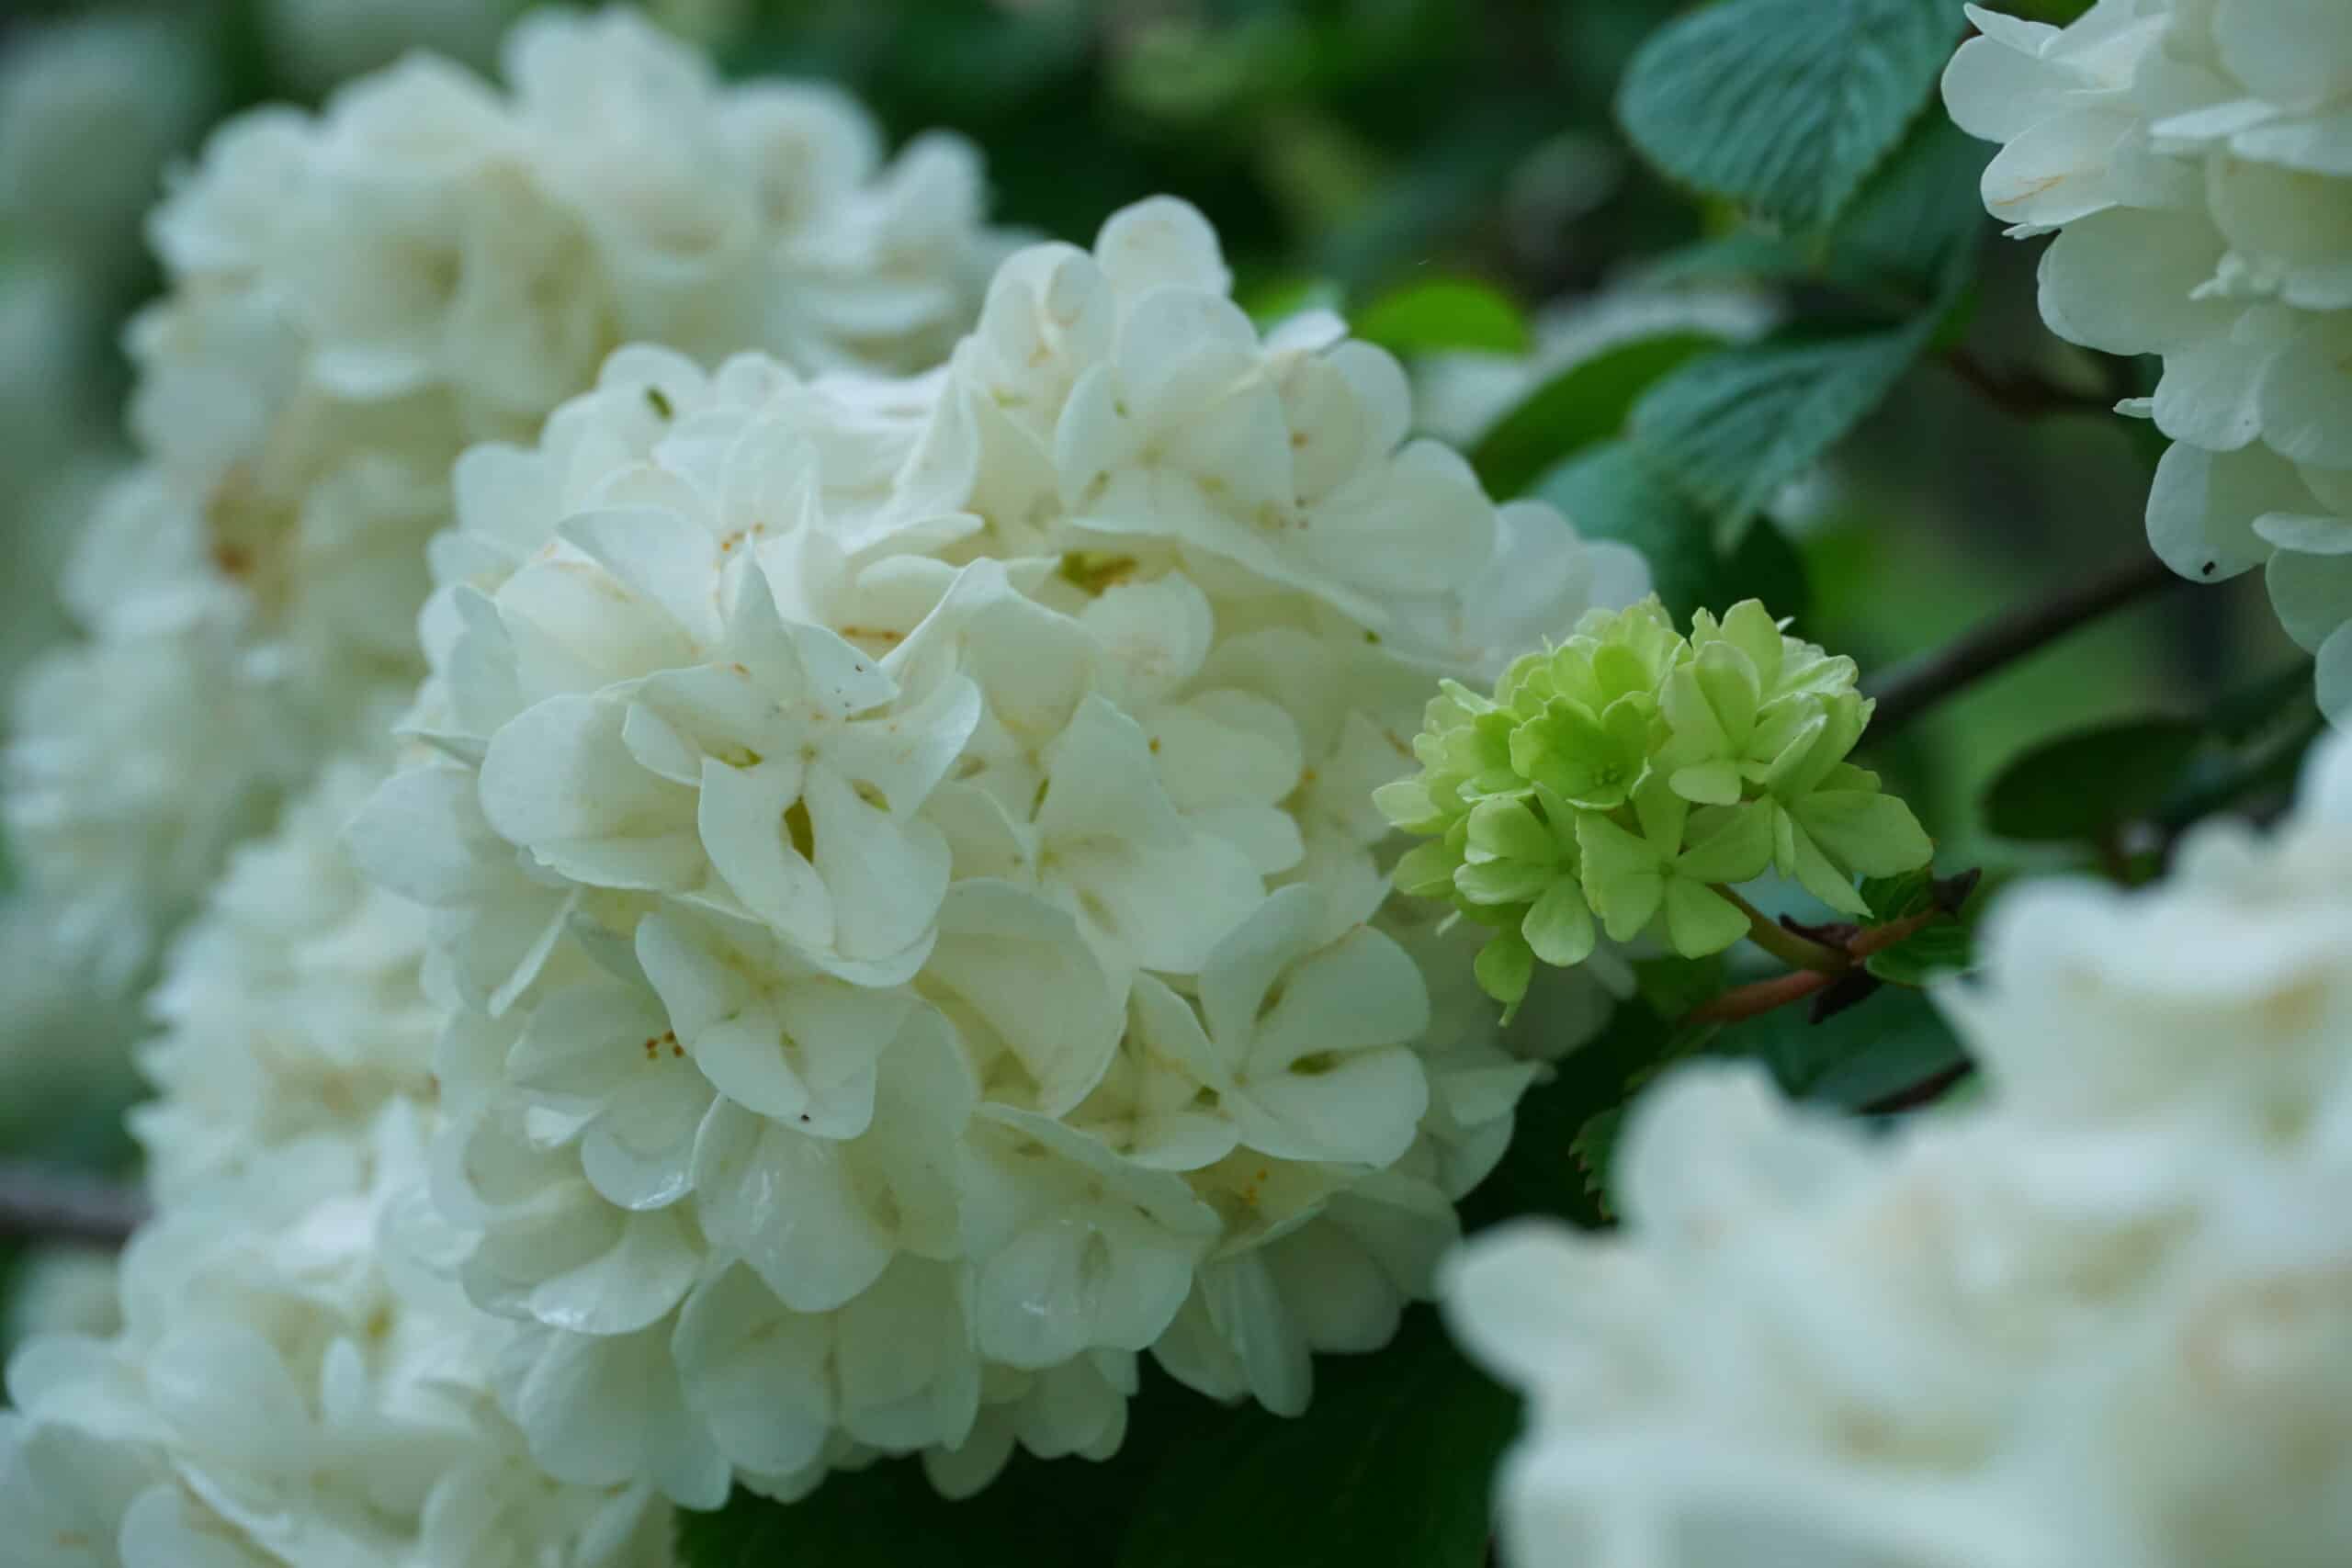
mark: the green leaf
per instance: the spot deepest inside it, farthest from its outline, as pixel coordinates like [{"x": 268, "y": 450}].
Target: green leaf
[
  {"x": 2082, "y": 785},
  {"x": 1583, "y": 405},
  {"x": 1891, "y": 898},
  {"x": 1394, "y": 1462},
  {"x": 1595, "y": 1149},
  {"x": 1915, "y": 228},
  {"x": 1445, "y": 314},
  {"x": 1785, "y": 106},
  {"x": 1614, "y": 492},
  {"x": 1674, "y": 986},
  {"x": 1942, "y": 948},
  {"x": 1856, "y": 1058},
  {"x": 1735, "y": 426}
]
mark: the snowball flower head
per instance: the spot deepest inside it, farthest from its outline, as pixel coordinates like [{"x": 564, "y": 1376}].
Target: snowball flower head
[
  {"x": 1628, "y": 773},
  {"x": 293, "y": 1006},
  {"x": 2193, "y": 156},
  {"x": 2103, "y": 1315},
  {"x": 354, "y": 297},
  {"x": 902, "y": 860},
  {"x": 286, "y": 1389}
]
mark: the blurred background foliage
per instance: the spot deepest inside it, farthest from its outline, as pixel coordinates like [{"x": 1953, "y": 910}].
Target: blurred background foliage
[{"x": 1451, "y": 172}]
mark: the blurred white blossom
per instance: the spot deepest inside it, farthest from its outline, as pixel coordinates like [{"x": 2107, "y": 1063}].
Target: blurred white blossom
[{"x": 2104, "y": 1315}]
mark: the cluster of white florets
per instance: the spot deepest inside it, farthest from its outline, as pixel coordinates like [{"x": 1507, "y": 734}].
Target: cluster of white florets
[
  {"x": 903, "y": 861},
  {"x": 2196, "y": 157},
  {"x": 289, "y": 1385},
  {"x": 358, "y": 294},
  {"x": 2104, "y": 1316}
]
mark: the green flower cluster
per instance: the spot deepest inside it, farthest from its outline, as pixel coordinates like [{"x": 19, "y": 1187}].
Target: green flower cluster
[{"x": 1631, "y": 773}]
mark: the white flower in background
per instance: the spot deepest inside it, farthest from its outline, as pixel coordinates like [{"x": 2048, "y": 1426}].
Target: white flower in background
[
  {"x": 288, "y": 1388},
  {"x": 63, "y": 1289},
  {"x": 91, "y": 108},
  {"x": 2195, "y": 156},
  {"x": 292, "y": 1006},
  {"x": 2103, "y": 1316},
  {"x": 900, "y": 854},
  {"x": 356, "y": 296},
  {"x": 132, "y": 763}
]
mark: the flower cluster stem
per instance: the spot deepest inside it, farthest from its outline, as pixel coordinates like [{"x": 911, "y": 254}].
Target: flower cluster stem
[
  {"x": 42, "y": 1204},
  {"x": 1797, "y": 951}
]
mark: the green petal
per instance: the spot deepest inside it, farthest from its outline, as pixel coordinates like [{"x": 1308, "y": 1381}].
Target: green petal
[
  {"x": 1559, "y": 928},
  {"x": 1874, "y": 835},
  {"x": 1507, "y": 829},
  {"x": 1502, "y": 882},
  {"x": 1736, "y": 845},
  {"x": 1427, "y": 870},
  {"x": 1707, "y": 783},
  {"x": 1504, "y": 967},
  {"x": 1407, "y": 805},
  {"x": 1624, "y": 876},
  {"x": 1698, "y": 921}
]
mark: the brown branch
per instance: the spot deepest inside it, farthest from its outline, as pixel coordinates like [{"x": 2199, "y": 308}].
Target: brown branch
[
  {"x": 2022, "y": 393},
  {"x": 1748, "y": 1001},
  {"x": 43, "y": 1203},
  {"x": 1911, "y": 688}
]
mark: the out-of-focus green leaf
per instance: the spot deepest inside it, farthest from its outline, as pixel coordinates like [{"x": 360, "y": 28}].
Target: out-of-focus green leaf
[
  {"x": 1944, "y": 947},
  {"x": 1394, "y": 1462},
  {"x": 1277, "y": 300},
  {"x": 1734, "y": 427},
  {"x": 1584, "y": 404},
  {"x": 1856, "y": 1058},
  {"x": 1785, "y": 106},
  {"x": 1448, "y": 313},
  {"x": 1614, "y": 492},
  {"x": 1596, "y": 1152},
  {"x": 1069, "y": 1513},
  {"x": 2081, "y": 785}
]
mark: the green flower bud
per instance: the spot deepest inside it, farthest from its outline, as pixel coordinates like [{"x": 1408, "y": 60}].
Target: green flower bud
[{"x": 1623, "y": 779}]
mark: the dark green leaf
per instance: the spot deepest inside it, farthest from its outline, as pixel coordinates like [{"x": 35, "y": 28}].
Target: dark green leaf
[
  {"x": 1915, "y": 227},
  {"x": 1785, "y": 106},
  {"x": 1612, "y": 492},
  {"x": 1891, "y": 898},
  {"x": 1858, "y": 1058},
  {"x": 2082, "y": 785},
  {"x": 1583, "y": 405},
  {"x": 1446, "y": 314},
  {"x": 1732, "y": 428},
  {"x": 1673, "y": 986},
  {"x": 1394, "y": 1462},
  {"x": 1944, "y": 947},
  {"x": 1596, "y": 1149},
  {"x": 1068, "y": 1513}
]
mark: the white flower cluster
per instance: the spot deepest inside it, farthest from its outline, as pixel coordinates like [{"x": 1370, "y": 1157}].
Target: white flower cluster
[
  {"x": 2197, "y": 155},
  {"x": 289, "y": 1388},
  {"x": 293, "y": 1006},
  {"x": 2103, "y": 1316},
  {"x": 902, "y": 856},
  {"x": 358, "y": 294}
]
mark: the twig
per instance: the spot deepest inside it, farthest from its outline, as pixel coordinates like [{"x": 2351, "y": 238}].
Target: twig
[
  {"x": 39, "y": 1202},
  {"x": 2022, "y": 393},
  {"x": 1792, "y": 948},
  {"x": 1748, "y": 1001},
  {"x": 1926, "y": 1091},
  {"x": 1911, "y": 688}
]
